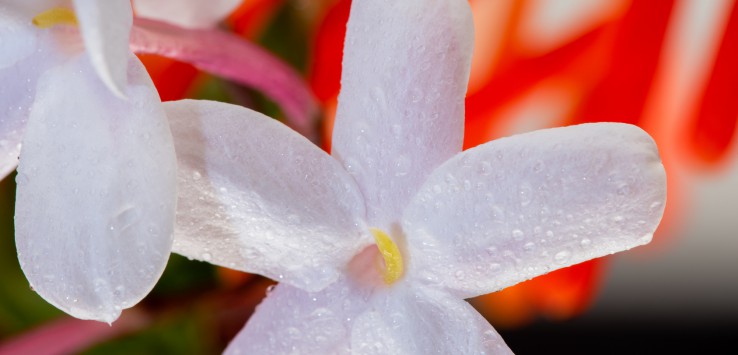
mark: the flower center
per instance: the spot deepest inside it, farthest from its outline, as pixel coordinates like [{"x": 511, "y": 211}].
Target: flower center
[
  {"x": 393, "y": 266},
  {"x": 55, "y": 16}
]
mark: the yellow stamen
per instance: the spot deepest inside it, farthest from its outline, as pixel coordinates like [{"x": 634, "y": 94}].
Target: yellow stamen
[
  {"x": 391, "y": 254},
  {"x": 56, "y": 16}
]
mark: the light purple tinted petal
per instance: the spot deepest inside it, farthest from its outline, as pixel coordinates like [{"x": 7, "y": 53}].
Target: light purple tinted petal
[
  {"x": 258, "y": 197},
  {"x": 231, "y": 57},
  {"x": 96, "y": 191},
  {"x": 401, "y": 107},
  {"x": 522, "y": 206},
  {"x": 105, "y": 27},
  {"x": 186, "y": 13},
  {"x": 17, "y": 36},
  {"x": 415, "y": 320},
  {"x": 17, "y": 92},
  {"x": 290, "y": 320}
]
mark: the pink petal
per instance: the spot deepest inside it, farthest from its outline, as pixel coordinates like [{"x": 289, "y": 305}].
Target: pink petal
[
  {"x": 401, "y": 108},
  {"x": 229, "y": 56},
  {"x": 69, "y": 335}
]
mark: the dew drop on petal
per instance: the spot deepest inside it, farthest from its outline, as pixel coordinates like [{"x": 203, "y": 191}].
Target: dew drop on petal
[
  {"x": 485, "y": 168},
  {"x": 538, "y": 167},
  {"x": 562, "y": 256},
  {"x": 623, "y": 190},
  {"x": 517, "y": 234},
  {"x": 529, "y": 246},
  {"x": 526, "y": 195}
]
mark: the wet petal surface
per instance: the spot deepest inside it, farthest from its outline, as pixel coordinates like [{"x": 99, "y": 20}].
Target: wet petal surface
[
  {"x": 422, "y": 321},
  {"x": 521, "y": 206},
  {"x": 401, "y": 108},
  {"x": 96, "y": 191},
  {"x": 290, "y": 320},
  {"x": 258, "y": 197}
]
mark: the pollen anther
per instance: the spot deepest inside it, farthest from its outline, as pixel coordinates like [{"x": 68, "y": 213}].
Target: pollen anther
[
  {"x": 55, "y": 16},
  {"x": 391, "y": 253}
]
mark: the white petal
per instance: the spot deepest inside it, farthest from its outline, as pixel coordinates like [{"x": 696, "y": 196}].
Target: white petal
[
  {"x": 348, "y": 319},
  {"x": 522, "y": 206},
  {"x": 17, "y": 35},
  {"x": 186, "y": 13},
  {"x": 96, "y": 191},
  {"x": 290, "y": 321},
  {"x": 421, "y": 321},
  {"x": 258, "y": 197},
  {"x": 401, "y": 108},
  {"x": 17, "y": 92},
  {"x": 105, "y": 27}
]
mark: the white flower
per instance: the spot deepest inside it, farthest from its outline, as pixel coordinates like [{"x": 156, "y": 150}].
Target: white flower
[
  {"x": 97, "y": 171},
  {"x": 376, "y": 246}
]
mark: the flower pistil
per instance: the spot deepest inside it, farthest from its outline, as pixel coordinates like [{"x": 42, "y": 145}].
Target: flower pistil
[
  {"x": 393, "y": 265},
  {"x": 55, "y": 16}
]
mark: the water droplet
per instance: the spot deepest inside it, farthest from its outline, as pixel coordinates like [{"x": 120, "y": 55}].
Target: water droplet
[
  {"x": 206, "y": 256},
  {"x": 562, "y": 256},
  {"x": 269, "y": 289},
  {"x": 529, "y": 246},
  {"x": 321, "y": 312},
  {"x": 623, "y": 190},
  {"x": 585, "y": 242},
  {"x": 402, "y": 165},
  {"x": 489, "y": 336},
  {"x": 538, "y": 167},
  {"x": 485, "y": 168},
  {"x": 352, "y": 166},
  {"x": 517, "y": 234},
  {"x": 294, "y": 333},
  {"x": 196, "y": 175},
  {"x": 378, "y": 97},
  {"x": 459, "y": 275},
  {"x": 21, "y": 178},
  {"x": 526, "y": 195},
  {"x": 119, "y": 290},
  {"x": 491, "y": 251},
  {"x": 416, "y": 95}
]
